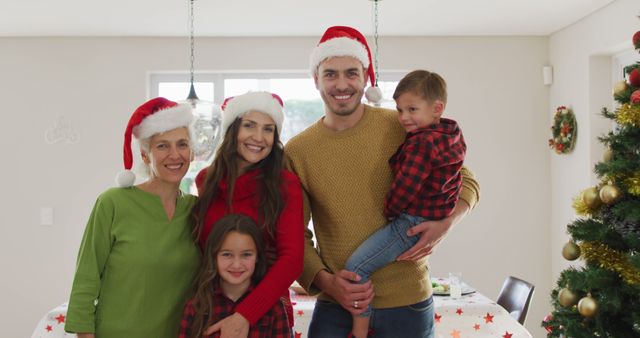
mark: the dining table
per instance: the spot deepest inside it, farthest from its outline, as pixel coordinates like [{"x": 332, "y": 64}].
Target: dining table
[{"x": 471, "y": 315}]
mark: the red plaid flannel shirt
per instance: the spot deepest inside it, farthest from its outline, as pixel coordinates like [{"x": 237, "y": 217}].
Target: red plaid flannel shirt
[
  {"x": 274, "y": 324},
  {"x": 426, "y": 169}
]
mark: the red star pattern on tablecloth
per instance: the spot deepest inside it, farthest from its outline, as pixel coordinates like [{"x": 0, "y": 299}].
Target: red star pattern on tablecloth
[
  {"x": 455, "y": 334},
  {"x": 476, "y": 327},
  {"x": 437, "y": 317},
  {"x": 48, "y": 328},
  {"x": 60, "y": 318},
  {"x": 507, "y": 334},
  {"x": 298, "y": 334},
  {"x": 488, "y": 318},
  {"x": 459, "y": 311},
  {"x": 300, "y": 313}
]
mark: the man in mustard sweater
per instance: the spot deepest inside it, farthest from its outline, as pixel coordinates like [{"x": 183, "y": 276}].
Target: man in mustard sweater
[{"x": 342, "y": 163}]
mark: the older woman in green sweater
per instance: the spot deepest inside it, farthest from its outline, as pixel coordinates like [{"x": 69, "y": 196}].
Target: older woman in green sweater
[{"x": 137, "y": 258}]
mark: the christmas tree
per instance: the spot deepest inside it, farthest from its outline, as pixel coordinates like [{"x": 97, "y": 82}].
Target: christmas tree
[{"x": 602, "y": 298}]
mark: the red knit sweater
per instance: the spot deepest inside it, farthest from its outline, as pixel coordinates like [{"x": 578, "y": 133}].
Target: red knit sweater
[{"x": 287, "y": 249}]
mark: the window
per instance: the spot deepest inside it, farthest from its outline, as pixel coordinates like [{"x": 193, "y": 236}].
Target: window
[{"x": 302, "y": 103}]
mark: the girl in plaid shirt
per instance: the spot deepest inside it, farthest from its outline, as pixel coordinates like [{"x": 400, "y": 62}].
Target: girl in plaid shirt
[
  {"x": 233, "y": 262},
  {"x": 427, "y": 179}
]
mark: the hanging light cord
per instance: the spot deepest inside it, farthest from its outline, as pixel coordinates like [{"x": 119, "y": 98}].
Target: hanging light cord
[
  {"x": 375, "y": 38},
  {"x": 193, "y": 97},
  {"x": 191, "y": 38}
]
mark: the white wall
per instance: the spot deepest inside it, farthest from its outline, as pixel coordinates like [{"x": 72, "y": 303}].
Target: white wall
[
  {"x": 581, "y": 58},
  {"x": 496, "y": 93}
]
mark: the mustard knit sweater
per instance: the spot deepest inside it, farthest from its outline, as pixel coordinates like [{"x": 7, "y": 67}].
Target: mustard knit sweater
[{"x": 345, "y": 176}]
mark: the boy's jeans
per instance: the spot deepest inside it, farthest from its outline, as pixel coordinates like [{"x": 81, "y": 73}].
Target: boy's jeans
[{"x": 382, "y": 248}]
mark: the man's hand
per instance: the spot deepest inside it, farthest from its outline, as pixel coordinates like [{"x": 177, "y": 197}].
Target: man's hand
[
  {"x": 352, "y": 297},
  {"x": 234, "y": 326},
  {"x": 432, "y": 233}
]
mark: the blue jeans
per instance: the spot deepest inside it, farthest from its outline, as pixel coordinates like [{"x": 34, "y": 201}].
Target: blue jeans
[
  {"x": 330, "y": 320},
  {"x": 382, "y": 248}
]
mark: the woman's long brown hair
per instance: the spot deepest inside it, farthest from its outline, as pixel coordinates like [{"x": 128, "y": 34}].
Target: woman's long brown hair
[
  {"x": 225, "y": 166},
  {"x": 208, "y": 277}
]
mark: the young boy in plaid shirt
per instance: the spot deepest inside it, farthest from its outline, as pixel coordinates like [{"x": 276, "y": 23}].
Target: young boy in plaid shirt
[
  {"x": 427, "y": 180},
  {"x": 233, "y": 262}
]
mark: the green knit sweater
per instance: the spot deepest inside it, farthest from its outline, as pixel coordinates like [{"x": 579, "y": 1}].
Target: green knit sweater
[
  {"x": 345, "y": 176},
  {"x": 135, "y": 264}
]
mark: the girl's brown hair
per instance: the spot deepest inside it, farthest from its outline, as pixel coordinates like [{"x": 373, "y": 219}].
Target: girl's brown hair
[{"x": 208, "y": 278}]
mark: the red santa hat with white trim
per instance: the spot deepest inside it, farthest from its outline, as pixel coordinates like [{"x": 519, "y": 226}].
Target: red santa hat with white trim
[
  {"x": 346, "y": 41},
  {"x": 155, "y": 116},
  {"x": 264, "y": 102}
]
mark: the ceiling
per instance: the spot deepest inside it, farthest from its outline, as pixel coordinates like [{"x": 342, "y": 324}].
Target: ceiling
[{"x": 289, "y": 17}]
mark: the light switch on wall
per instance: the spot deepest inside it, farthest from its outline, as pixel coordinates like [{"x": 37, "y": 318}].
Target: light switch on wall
[{"x": 46, "y": 216}]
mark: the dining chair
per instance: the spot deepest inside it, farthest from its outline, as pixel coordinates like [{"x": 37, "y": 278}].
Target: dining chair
[{"x": 515, "y": 297}]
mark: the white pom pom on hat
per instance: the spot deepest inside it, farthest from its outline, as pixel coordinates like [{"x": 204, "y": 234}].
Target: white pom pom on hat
[
  {"x": 152, "y": 117},
  {"x": 373, "y": 94},
  {"x": 346, "y": 41},
  {"x": 125, "y": 178}
]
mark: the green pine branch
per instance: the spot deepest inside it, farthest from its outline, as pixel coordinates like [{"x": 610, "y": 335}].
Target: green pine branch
[
  {"x": 593, "y": 230},
  {"x": 617, "y": 305},
  {"x": 627, "y": 209},
  {"x": 606, "y": 113}
]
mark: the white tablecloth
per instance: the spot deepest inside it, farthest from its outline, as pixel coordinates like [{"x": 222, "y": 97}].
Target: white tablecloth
[
  {"x": 472, "y": 315},
  {"x": 52, "y": 324}
]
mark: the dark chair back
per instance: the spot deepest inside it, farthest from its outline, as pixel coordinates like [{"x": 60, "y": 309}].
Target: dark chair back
[{"x": 515, "y": 297}]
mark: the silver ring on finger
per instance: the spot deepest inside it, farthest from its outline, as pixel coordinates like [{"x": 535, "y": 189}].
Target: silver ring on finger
[{"x": 355, "y": 304}]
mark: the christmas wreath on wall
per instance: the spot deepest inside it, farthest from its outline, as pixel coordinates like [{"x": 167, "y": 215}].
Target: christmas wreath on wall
[{"x": 563, "y": 131}]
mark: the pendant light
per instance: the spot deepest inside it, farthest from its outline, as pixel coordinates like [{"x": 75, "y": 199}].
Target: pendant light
[{"x": 208, "y": 117}]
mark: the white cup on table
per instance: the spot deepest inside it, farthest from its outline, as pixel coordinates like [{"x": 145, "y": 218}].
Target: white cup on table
[{"x": 455, "y": 284}]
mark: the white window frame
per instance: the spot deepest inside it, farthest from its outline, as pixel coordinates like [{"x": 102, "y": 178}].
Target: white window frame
[{"x": 218, "y": 77}]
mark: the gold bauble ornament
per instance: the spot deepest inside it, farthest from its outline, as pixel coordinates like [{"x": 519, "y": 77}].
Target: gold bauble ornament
[
  {"x": 607, "y": 155},
  {"x": 609, "y": 194},
  {"x": 619, "y": 88},
  {"x": 588, "y": 306},
  {"x": 567, "y": 298},
  {"x": 571, "y": 251},
  {"x": 591, "y": 198}
]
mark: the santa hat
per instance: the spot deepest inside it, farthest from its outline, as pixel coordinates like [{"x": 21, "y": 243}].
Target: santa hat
[
  {"x": 346, "y": 41},
  {"x": 264, "y": 102},
  {"x": 152, "y": 117}
]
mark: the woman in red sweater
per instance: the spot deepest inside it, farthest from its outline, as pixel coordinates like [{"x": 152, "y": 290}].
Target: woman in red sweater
[{"x": 248, "y": 177}]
